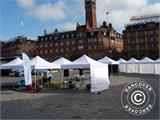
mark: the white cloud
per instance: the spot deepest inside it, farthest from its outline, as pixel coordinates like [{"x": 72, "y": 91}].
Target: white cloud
[
  {"x": 26, "y": 3},
  {"x": 121, "y": 11},
  {"x": 49, "y": 11},
  {"x": 65, "y": 26},
  {"x": 61, "y": 10}
]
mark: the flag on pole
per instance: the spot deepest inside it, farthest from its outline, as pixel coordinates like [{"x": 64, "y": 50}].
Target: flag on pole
[{"x": 27, "y": 70}]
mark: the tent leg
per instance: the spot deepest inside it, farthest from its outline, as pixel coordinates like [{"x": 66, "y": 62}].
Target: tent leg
[
  {"x": 35, "y": 82},
  {"x": 61, "y": 72}
]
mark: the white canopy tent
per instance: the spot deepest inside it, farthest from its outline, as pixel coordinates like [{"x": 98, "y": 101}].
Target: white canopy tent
[
  {"x": 108, "y": 60},
  {"x": 157, "y": 66},
  {"x": 132, "y": 66},
  {"x": 61, "y": 61},
  {"x": 40, "y": 63},
  {"x": 146, "y": 66},
  {"x": 122, "y": 65},
  {"x": 14, "y": 64},
  {"x": 98, "y": 72}
]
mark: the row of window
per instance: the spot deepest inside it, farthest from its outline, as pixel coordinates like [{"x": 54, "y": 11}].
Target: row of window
[
  {"x": 142, "y": 40},
  {"x": 55, "y": 44},
  {"x": 57, "y": 50},
  {"x": 142, "y": 33},
  {"x": 142, "y": 47}
]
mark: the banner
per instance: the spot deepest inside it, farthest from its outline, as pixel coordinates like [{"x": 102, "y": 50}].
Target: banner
[{"x": 27, "y": 69}]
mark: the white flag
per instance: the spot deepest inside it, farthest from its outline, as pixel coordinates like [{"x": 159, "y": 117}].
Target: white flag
[{"x": 27, "y": 69}]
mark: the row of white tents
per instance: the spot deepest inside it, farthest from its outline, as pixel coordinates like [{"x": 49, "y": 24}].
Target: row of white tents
[
  {"x": 146, "y": 65},
  {"x": 98, "y": 69}
]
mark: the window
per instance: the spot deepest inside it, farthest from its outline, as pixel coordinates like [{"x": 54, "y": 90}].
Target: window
[
  {"x": 50, "y": 38},
  {"x": 62, "y": 36},
  {"x": 46, "y": 51},
  {"x": 73, "y": 42},
  {"x": 41, "y": 46},
  {"x": 81, "y": 41},
  {"x": 51, "y": 51},
  {"x": 141, "y": 40},
  {"x": 56, "y": 44},
  {"x": 67, "y": 49},
  {"x": 61, "y": 43},
  {"x": 100, "y": 46},
  {"x": 67, "y": 35},
  {"x": 62, "y": 50},
  {"x": 46, "y": 45},
  {"x": 67, "y": 43},
  {"x": 41, "y": 52},
  {"x": 73, "y": 49},
  {"x": 72, "y": 35},
  {"x": 80, "y": 34},
  {"x": 80, "y": 47},
  {"x": 92, "y": 33},
  {"x": 46, "y": 38},
  {"x": 41, "y": 39},
  {"x": 133, "y": 34},
  {"x": 51, "y": 45},
  {"x": 56, "y": 50}
]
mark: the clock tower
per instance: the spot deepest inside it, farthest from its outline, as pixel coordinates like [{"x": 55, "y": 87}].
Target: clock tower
[{"x": 90, "y": 7}]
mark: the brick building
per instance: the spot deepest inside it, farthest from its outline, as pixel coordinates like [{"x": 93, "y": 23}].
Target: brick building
[
  {"x": 14, "y": 47},
  {"x": 88, "y": 39},
  {"x": 141, "y": 37}
]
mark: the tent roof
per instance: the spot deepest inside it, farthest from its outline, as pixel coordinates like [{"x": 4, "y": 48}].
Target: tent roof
[
  {"x": 108, "y": 60},
  {"x": 132, "y": 61},
  {"x": 15, "y": 62},
  {"x": 157, "y": 61},
  {"x": 40, "y": 63},
  {"x": 12, "y": 64},
  {"x": 81, "y": 63},
  {"x": 121, "y": 60},
  {"x": 146, "y": 60},
  {"x": 61, "y": 61}
]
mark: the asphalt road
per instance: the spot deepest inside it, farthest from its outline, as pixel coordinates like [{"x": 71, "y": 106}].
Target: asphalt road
[{"x": 76, "y": 104}]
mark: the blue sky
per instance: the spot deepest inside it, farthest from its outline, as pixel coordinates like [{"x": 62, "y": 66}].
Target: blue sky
[{"x": 31, "y": 17}]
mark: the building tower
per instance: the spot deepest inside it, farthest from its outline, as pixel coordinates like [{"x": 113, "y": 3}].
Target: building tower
[{"x": 90, "y": 7}]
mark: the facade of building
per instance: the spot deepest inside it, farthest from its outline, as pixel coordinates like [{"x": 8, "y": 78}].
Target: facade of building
[
  {"x": 88, "y": 39},
  {"x": 14, "y": 48},
  {"x": 141, "y": 37}
]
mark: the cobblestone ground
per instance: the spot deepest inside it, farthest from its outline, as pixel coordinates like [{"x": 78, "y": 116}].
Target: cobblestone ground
[{"x": 76, "y": 104}]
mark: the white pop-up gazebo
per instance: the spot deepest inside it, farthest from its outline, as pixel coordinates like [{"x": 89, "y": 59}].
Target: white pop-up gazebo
[
  {"x": 146, "y": 66},
  {"x": 122, "y": 65},
  {"x": 108, "y": 60},
  {"x": 98, "y": 72},
  {"x": 40, "y": 63},
  {"x": 61, "y": 61},
  {"x": 14, "y": 64},
  {"x": 157, "y": 66},
  {"x": 132, "y": 66}
]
